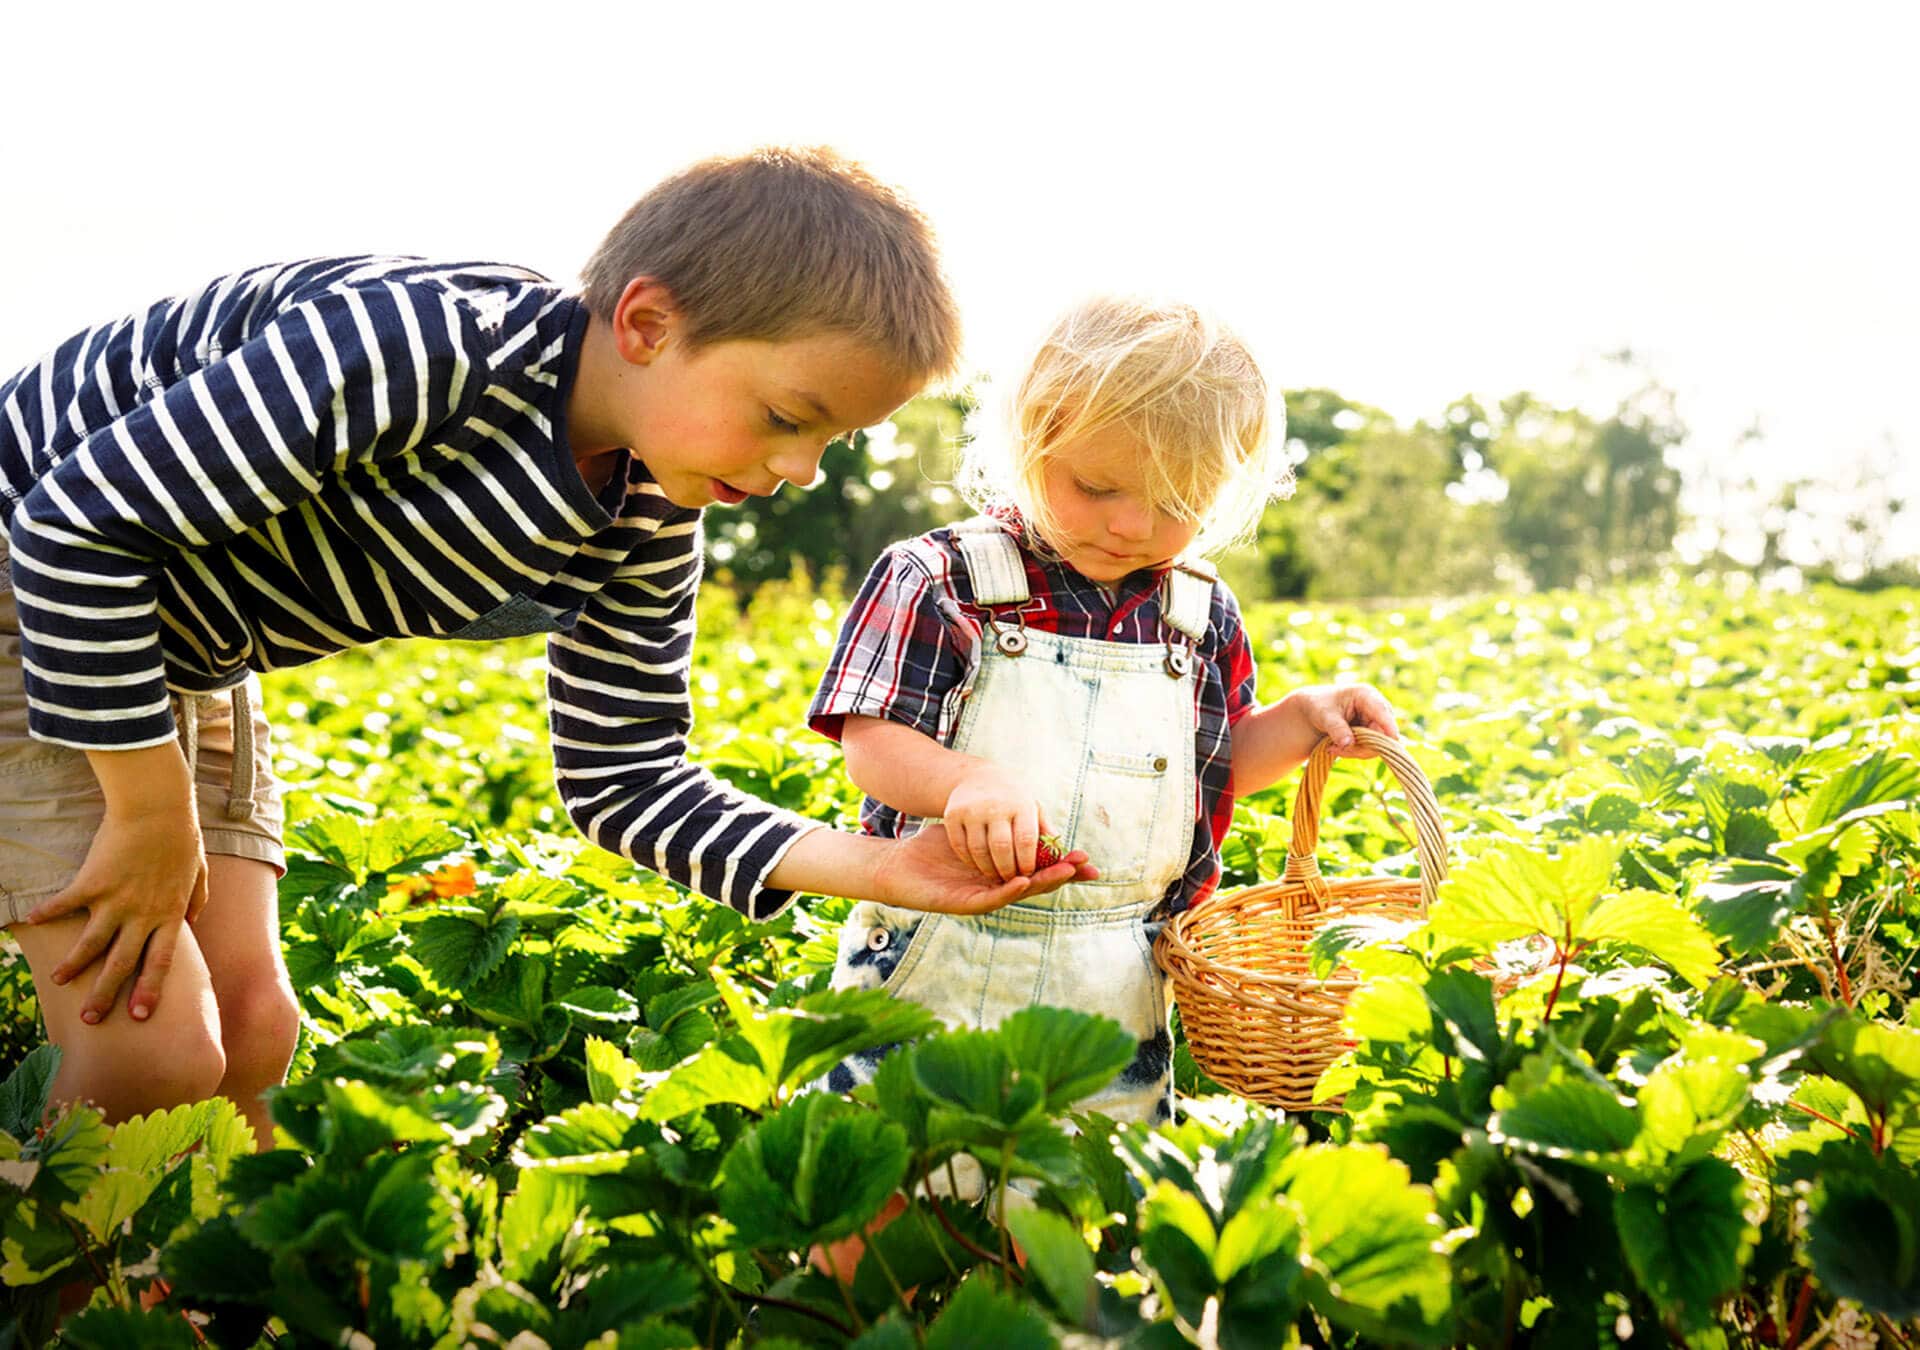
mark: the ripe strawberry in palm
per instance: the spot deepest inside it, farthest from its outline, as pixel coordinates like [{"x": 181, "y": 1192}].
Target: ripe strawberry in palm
[{"x": 1051, "y": 851}]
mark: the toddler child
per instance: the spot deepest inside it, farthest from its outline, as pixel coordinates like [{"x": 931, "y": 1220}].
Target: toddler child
[
  {"x": 301, "y": 458},
  {"x": 1066, "y": 662}
]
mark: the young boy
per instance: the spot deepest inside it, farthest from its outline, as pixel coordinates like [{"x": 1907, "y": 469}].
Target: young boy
[{"x": 299, "y": 459}]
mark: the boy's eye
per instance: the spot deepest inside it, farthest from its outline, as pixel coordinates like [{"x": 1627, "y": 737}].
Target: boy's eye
[{"x": 779, "y": 423}]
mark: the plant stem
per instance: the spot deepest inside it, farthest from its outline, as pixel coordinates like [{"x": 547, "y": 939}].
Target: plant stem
[
  {"x": 1000, "y": 1220},
  {"x": 1823, "y": 1116},
  {"x": 846, "y": 1294},
  {"x": 1373, "y": 787},
  {"x": 771, "y": 1301},
  {"x": 1799, "y": 1317},
  {"x": 1833, "y": 946},
  {"x": 1562, "y": 954},
  {"x": 899, "y": 1294},
  {"x": 80, "y": 1241},
  {"x": 933, "y": 1202},
  {"x": 939, "y": 1246}
]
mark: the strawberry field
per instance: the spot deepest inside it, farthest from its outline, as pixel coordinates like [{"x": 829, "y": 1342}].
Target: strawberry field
[{"x": 1650, "y": 1074}]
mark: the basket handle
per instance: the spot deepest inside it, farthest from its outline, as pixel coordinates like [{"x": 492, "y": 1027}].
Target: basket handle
[{"x": 1430, "y": 833}]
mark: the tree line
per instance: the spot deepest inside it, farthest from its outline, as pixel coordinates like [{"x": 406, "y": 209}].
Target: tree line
[{"x": 1518, "y": 494}]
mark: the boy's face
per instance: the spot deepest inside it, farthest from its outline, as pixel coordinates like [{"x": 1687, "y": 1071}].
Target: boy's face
[
  {"x": 1095, "y": 488},
  {"x": 736, "y": 419}
]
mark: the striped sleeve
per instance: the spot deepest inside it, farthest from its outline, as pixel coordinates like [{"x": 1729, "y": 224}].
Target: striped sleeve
[
  {"x": 353, "y": 374},
  {"x": 898, "y": 656},
  {"x": 617, "y": 687}
]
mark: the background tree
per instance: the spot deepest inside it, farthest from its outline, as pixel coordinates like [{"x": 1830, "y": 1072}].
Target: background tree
[{"x": 874, "y": 488}]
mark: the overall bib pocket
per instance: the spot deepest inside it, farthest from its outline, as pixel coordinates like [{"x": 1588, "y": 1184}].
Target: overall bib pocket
[{"x": 1119, "y": 807}]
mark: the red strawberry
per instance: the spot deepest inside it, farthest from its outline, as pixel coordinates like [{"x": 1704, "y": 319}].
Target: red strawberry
[{"x": 1050, "y": 852}]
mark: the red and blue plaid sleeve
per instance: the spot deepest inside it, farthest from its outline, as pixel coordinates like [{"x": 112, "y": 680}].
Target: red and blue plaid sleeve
[{"x": 900, "y": 654}]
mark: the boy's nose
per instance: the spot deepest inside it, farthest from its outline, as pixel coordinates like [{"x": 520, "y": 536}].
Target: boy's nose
[{"x": 801, "y": 467}]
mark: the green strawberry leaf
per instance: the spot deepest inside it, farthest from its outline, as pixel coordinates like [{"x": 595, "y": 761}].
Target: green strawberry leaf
[
  {"x": 1659, "y": 925},
  {"x": 1059, "y": 1256},
  {"x": 815, "y": 1170},
  {"x": 1688, "y": 1239},
  {"x": 1072, "y": 1053}
]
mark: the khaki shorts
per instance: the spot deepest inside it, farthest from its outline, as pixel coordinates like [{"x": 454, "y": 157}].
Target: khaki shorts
[{"x": 50, "y": 802}]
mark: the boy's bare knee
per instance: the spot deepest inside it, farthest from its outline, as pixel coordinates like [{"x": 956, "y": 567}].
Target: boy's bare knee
[
  {"x": 188, "y": 1070},
  {"x": 260, "y": 1031}
]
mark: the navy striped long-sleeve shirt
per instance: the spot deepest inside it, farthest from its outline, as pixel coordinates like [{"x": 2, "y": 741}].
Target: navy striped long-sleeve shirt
[{"x": 302, "y": 458}]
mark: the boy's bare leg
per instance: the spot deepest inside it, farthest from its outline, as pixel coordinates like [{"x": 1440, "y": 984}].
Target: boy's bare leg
[
  {"x": 239, "y": 937},
  {"x": 123, "y": 1066}
]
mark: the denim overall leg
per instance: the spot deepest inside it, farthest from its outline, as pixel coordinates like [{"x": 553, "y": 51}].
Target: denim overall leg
[{"x": 1104, "y": 731}]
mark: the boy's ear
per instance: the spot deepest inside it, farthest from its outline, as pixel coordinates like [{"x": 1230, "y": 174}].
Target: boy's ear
[{"x": 645, "y": 320}]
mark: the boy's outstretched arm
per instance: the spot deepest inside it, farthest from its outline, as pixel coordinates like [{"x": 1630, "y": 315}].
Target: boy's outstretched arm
[
  {"x": 991, "y": 818},
  {"x": 921, "y": 872},
  {"x": 1271, "y": 742}
]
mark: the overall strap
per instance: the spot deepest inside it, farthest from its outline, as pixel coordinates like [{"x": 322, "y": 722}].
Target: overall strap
[
  {"x": 993, "y": 562},
  {"x": 1186, "y": 598}
]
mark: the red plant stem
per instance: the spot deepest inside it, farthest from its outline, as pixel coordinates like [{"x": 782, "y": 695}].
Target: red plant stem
[
  {"x": 1562, "y": 955},
  {"x": 1839, "y": 966},
  {"x": 772, "y": 1301},
  {"x": 1799, "y": 1317},
  {"x": 1823, "y": 1116},
  {"x": 933, "y": 1203}
]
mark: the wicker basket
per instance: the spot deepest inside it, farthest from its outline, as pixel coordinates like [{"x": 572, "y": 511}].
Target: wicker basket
[{"x": 1255, "y": 1016}]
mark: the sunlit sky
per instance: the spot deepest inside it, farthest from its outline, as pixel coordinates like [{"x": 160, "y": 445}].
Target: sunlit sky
[{"x": 1401, "y": 202}]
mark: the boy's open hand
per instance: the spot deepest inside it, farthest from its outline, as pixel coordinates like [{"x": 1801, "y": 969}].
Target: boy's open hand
[
  {"x": 144, "y": 877},
  {"x": 994, "y": 823},
  {"x": 923, "y": 872}
]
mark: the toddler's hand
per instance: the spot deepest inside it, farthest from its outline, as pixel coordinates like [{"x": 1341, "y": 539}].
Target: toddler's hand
[
  {"x": 1334, "y": 710},
  {"x": 921, "y": 872},
  {"x": 144, "y": 877},
  {"x": 994, "y": 823}
]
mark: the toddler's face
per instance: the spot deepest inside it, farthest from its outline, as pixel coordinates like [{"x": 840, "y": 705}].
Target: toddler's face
[
  {"x": 1095, "y": 488},
  {"x": 738, "y": 419}
]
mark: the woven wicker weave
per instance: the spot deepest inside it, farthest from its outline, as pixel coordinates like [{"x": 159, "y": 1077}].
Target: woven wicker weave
[{"x": 1255, "y": 1016}]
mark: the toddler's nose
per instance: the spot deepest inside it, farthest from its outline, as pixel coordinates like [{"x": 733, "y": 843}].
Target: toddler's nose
[{"x": 1131, "y": 523}]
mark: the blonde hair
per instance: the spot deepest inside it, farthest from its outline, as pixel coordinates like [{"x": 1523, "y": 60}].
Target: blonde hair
[
  {"x": 1179, "y": 381},
  {"x": 782, "y": 243}
]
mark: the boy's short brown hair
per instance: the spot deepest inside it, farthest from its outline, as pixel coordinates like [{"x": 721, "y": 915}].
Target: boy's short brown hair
[{"x": 780, "y": 243}]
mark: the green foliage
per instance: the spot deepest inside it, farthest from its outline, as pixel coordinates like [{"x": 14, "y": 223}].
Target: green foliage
[{"x": 1652, "y": 1059}]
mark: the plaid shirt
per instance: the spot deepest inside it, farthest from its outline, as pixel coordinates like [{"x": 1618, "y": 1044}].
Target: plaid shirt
[{"x": 912, "y": 638}]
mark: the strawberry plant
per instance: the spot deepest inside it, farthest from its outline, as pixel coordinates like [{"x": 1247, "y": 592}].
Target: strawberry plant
[{"x": 1649, "y": 1072}]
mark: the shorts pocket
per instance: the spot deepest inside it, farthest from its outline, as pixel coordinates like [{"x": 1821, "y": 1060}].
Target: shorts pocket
[{"x": 516, "y": 616}]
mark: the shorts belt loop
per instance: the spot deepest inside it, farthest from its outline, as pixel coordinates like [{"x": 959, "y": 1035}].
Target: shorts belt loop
[
  {"x": 187, "y": 714},
  {"x": 240, "y": 776}
]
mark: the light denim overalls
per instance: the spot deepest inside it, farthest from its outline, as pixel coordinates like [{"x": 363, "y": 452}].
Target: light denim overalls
[{"x": 1104, "y": 732}]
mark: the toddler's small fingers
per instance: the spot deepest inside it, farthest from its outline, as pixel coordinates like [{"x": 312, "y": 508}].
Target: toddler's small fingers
[
  {"x": 981, "y": 855},
  {"x": 1000, "y": 847}
]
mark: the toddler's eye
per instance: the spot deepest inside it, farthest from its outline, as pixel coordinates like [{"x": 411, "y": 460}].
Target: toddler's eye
[
  {"x": 779, "y": 423},
  {"x": 1087, "y": 489}
]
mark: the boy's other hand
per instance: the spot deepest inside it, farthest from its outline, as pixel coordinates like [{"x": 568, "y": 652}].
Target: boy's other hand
[
  {"x": 994, "y": 823},
  {"x": 923, "y": 872},
  {"x": 144, "y": 878}
]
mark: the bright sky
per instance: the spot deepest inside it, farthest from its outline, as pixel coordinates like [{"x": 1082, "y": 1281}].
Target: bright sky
[{"x": 1401, "y": 202}]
